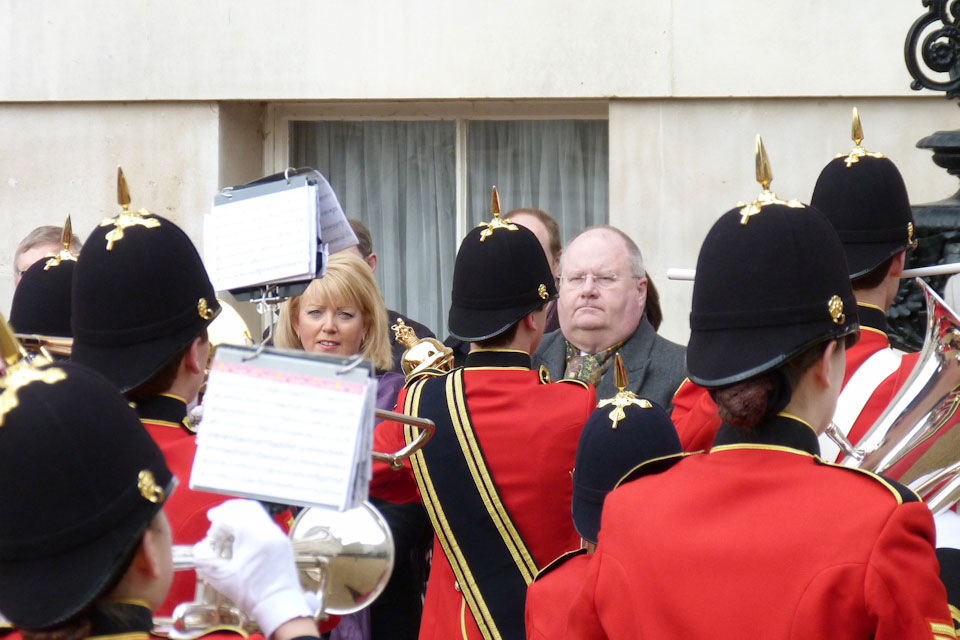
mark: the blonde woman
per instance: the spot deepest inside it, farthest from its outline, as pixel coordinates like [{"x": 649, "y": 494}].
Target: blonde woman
[{"x": 343, "y": 314}]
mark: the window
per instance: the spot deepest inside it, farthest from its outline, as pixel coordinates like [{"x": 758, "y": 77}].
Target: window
[{"x": 420, "y": 184}]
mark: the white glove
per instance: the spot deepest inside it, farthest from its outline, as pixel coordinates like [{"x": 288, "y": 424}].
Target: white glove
[{"x": 260, "y": 576}]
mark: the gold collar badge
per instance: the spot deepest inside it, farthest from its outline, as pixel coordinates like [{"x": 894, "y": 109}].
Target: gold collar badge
[
  {"x": 148, "y": 487},
  {"x": 766, "y": 197},
  {"x": 835, "y": 307},
  {"x": 18, "y": 372},
  {"x": 127, "y": 218},
  {"x": 623, "y": 398},
  {"x": 911, "y": 239},
  {"x": 66, "y": 238},
  {"x": 497, "y": 222},
  {"x": 856, "y": 132},
  {"x": 204, "y": 310}
]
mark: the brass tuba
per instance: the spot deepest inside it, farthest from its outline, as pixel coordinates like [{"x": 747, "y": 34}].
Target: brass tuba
[
  {"x": 913, "y": 440},
  {"x": 346, "y": 557}
]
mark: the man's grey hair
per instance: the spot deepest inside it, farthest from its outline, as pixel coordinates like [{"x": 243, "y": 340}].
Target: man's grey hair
[
  {"x": 633, "y": 251},
  {"x": 47, "y": 234}
]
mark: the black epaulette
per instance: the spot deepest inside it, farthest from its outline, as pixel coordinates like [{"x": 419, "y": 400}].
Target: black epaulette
[
  {"x": 902, "y": 493},
  {"x": 562, "y": 558},
  {"x": 653, "y": 467},
  {"x": 420, "y": 375},
  {"x": 165, "y": 410},
  {"x": 576, "y": 382}
]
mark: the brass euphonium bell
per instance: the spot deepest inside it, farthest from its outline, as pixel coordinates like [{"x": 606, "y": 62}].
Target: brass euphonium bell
[
  {"x": 915, "y": 439},
  {"x": 345, "y": 557},
  {"x": 421, "y": 353}
]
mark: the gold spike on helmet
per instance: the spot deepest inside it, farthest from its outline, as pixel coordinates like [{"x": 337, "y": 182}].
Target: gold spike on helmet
[
  {"x": 856, "y": 134},
  {"x": 127, "y": 218},
  {"x": 496, "y": 222},
  {"x": 66, "y": 239},
  {"x": 766, "y": 197},
  {"x": 421, "y": 353},
  {"x": 623, "y": 398}
]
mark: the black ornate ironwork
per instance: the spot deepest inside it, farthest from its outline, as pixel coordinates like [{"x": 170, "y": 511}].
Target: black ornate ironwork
[
  {"x": 936, "y": 49},
  {"x": 937, "y": 227}
]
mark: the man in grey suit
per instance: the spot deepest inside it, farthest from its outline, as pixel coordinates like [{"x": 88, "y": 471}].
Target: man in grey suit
[{"x": 603, "y": 291}]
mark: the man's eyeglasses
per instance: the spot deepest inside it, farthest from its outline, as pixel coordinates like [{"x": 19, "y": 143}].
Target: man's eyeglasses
[{"x": 602, "y": 281}]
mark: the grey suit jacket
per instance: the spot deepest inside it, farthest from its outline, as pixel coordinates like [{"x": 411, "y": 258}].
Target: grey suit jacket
[{"x": 655, "y": 366}]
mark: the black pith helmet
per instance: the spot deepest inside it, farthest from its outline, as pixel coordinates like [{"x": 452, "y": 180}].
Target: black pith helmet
[
  {"x": 41, "y": 302},
  {"x": 866, "y": 201},
  {"x": 771, "y": 281},
  {"x": 80, "y": 483},
  {"x": 621, "y": 433},
  {"x": 140, "y": 295},
  {"x": 501, "y": 275}
]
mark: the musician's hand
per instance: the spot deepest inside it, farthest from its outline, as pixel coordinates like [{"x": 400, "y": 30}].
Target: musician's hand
[{"x": 258, "y": 573}]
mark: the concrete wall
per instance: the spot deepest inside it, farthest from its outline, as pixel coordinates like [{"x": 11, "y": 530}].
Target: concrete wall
[
  {"x": 421, "y": 49},
  {"x": 677, "y": 165},
  {"x": 61, "y": 159}
]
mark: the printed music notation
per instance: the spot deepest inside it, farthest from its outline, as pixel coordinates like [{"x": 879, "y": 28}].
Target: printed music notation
[
  {"x": 285, "y": 429},
  {"x": 270, "y": 238},
  {"x": 271, "y": 233}
]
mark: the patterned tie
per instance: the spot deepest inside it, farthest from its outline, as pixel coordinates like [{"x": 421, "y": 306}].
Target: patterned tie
[{"x": 590, "y": 367}]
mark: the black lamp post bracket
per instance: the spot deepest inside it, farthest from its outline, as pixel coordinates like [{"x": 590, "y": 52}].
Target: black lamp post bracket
[{"x": 930, "y": 49}]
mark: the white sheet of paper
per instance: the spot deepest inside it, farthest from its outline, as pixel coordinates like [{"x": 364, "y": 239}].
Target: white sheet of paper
[
  {"x": 269, "y": 238},
  {"x": 288, "y": 435},
  {"x": 335, "y": 230}
]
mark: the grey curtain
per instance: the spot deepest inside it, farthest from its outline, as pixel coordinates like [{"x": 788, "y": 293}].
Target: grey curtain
[
  {"x": 398, "y": 178},
  {"x": 560, "y": 166}
]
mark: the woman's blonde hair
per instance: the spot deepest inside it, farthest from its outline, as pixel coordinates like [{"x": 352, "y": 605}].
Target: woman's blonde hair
[{"x": 348, "y": 281}]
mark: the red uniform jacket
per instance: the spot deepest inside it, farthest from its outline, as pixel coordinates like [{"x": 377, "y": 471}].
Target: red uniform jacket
[
  {"x": 695, "y": 416},
  {"x": 759, "y": 538},
  {"x": 695, "y": 413},
  {"x": 528, "y": 432},
  {"x": 163, "y": 416},
  {"x": 550, "y": 596}
]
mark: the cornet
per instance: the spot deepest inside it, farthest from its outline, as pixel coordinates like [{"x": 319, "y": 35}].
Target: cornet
[
  {"x": 913, "y": 440},
  {"x": 345, "y": 557},
  {"x": 46, "y": 346}
]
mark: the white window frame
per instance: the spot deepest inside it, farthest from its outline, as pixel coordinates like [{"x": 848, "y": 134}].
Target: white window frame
[{"x": 276, "y": 147}]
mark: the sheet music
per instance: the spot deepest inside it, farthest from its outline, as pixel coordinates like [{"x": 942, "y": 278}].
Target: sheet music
[
  {"x": 285, "y": 429},
  {"x": 334, "y": 228},
  {"x": 269, "y": 238}
]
